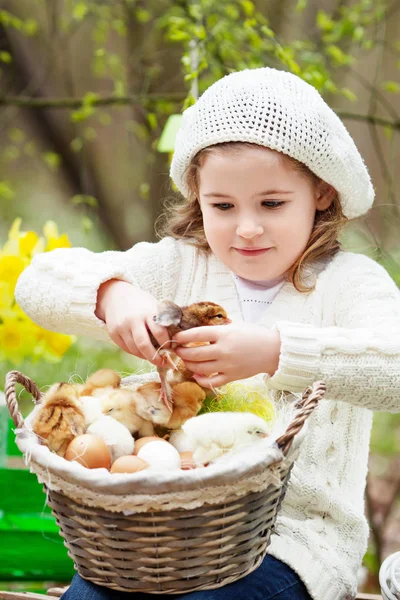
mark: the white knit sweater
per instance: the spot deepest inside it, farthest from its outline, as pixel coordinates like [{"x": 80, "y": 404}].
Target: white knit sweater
[{"x": 346, "y": 333}]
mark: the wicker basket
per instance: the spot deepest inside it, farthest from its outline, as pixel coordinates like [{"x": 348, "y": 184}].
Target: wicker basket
[{"x": 168, "y": 543}]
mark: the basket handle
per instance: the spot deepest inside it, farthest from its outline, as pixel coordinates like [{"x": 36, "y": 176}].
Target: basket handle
[
  {"x": 12, "y": 378},
  {"x": 309, "y": 400}
]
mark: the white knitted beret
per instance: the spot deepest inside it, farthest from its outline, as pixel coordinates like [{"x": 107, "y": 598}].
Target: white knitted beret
[{"x": 280, "y": 111}]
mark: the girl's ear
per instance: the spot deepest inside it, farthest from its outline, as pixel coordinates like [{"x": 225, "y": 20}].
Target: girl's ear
[{"x": 325, "y": 195}]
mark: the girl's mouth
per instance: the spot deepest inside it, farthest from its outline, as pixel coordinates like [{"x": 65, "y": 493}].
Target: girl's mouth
[{"x": 252, "y": 251}]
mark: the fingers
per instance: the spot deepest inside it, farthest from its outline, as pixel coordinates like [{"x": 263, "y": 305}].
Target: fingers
[
  {"x": 144, "y": 345},
  {"x": 117, "y": 339},
  {"x": 127, "y": 344},
  {"x": 198, "y": 354},
  {"x": 199, "y": 334},
  {"x": 159, "y": 332},
  {"x": 205, "y": 368},
  {"x": 137, "y": 343}
]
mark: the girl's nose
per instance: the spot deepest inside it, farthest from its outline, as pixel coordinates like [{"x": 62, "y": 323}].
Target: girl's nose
[{"x": 249, "y": 229}]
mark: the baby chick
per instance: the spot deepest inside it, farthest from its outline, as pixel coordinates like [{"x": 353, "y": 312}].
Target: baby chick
[
  {"x": 212, "y": 435},
  {"x": 100, "y": 382},
  {"x": 125, "y": 406},
  {"x": 116, "y": 436},
  {"x": 187, "y": 400},
  {"x": 148, "y": 404},
  {"x": 59, "y": 417},
  {"x": 175, "y": 319}
]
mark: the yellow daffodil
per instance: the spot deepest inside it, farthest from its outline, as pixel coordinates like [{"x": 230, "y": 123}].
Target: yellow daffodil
[
  {"x": 6, "y": 296},
  {"x": 17, "y": 339},
  {"x": 58, "y": 343},
  {"x": 22, "y": 243},
  {"x": 60, "y": 242},
  {"x": 14, "y": 232},
  {"x": 28, "y": 242},
  {"x": 20, "y": 337},
  {"x": 12, "y": 245},
  {"x": 53, "y": 239},
  {"x": 50, "y": 230},
  {"x": 11, "y": 268}
]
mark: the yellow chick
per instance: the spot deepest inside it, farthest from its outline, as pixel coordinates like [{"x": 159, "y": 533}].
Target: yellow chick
[
  {"x": 214, "y": 434},
  {"x": 99, "y": 383},
  {"x": 122, "y": 405}
]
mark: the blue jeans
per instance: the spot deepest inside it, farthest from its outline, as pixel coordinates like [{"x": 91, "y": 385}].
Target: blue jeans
[{"x": 273, "y": 580}]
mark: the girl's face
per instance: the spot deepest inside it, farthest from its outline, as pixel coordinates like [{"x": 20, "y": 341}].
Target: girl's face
[{"x": 258, "y": 211}]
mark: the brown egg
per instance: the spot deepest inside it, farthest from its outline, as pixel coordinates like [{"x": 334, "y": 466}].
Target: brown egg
[
  {"x": 187, "y": 461},
  {"x": 90, "y": 451},
  {"x": 128, "y": 464},
  {"x": 145, "y": 440}
]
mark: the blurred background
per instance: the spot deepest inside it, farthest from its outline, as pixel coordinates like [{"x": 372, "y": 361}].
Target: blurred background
[{"x": 87, "y": 92}]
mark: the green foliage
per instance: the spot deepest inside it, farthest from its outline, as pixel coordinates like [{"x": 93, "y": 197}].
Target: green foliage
[
  {"x": 385, "y": 437},
  {"x": 391, "y": 86},
  {"x": 28, "y": 27},
  {"x": 80, "y": 11},
  {"x": 84, "y": 199},
  {"x": 52, "y": 159},
  {"x": 5, "y": 57},
  {"x": 234, "y": 35},
  {"x": 6, "y": 190},
  {"x": 371, "y": 562},
  {"x": 391, "y": 264}
]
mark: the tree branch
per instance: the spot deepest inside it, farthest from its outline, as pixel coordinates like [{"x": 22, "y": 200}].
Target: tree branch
[
  {"x": 394, "y": 124},
  {"x": 64, "y": 103},
  {"x": 27, "y": 102}
]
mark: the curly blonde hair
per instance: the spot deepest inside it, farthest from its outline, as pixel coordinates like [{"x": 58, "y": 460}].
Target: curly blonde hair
[{"x": 184, "y": 221}]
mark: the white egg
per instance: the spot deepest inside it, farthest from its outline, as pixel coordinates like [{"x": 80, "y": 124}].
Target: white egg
[
  {"x": 160, "y": 455},
  {"x": 116, "y": 436},
  {"x": 181, "y": 441}
]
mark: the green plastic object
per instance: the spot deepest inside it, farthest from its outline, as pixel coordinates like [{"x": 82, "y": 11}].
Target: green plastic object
[
  {"x": 167, "y": 139},
  {"x": 12, "y": 448},
  {"x": 31, "y": 547}
]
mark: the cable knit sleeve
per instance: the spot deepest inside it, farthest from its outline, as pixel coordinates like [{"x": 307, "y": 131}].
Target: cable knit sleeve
[
  {"x": 358, "y": 357},
  {"x": 59, "y": 288}
]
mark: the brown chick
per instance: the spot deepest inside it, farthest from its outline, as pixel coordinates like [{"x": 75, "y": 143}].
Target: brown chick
[
  {"x": 60, "y": 417},
  {"x": 124, "y": 406},
  {"x": 187, "y": 398},
  {"x": 100, "y": 382},
  {"x": 175, "y": 319}
]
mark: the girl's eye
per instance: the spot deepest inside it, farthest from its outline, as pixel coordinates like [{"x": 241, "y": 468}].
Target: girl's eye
[
  {"x": 223, "y": 205},
  {"x": 273, "y": 203}
]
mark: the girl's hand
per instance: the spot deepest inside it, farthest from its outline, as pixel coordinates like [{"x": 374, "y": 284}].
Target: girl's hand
[
  {"x": 234, "y": 352},
  {"x": 128, "y": 314}
]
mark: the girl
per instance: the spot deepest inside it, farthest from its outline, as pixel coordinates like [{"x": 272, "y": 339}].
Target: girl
[{"x": 269, "y": 175}]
